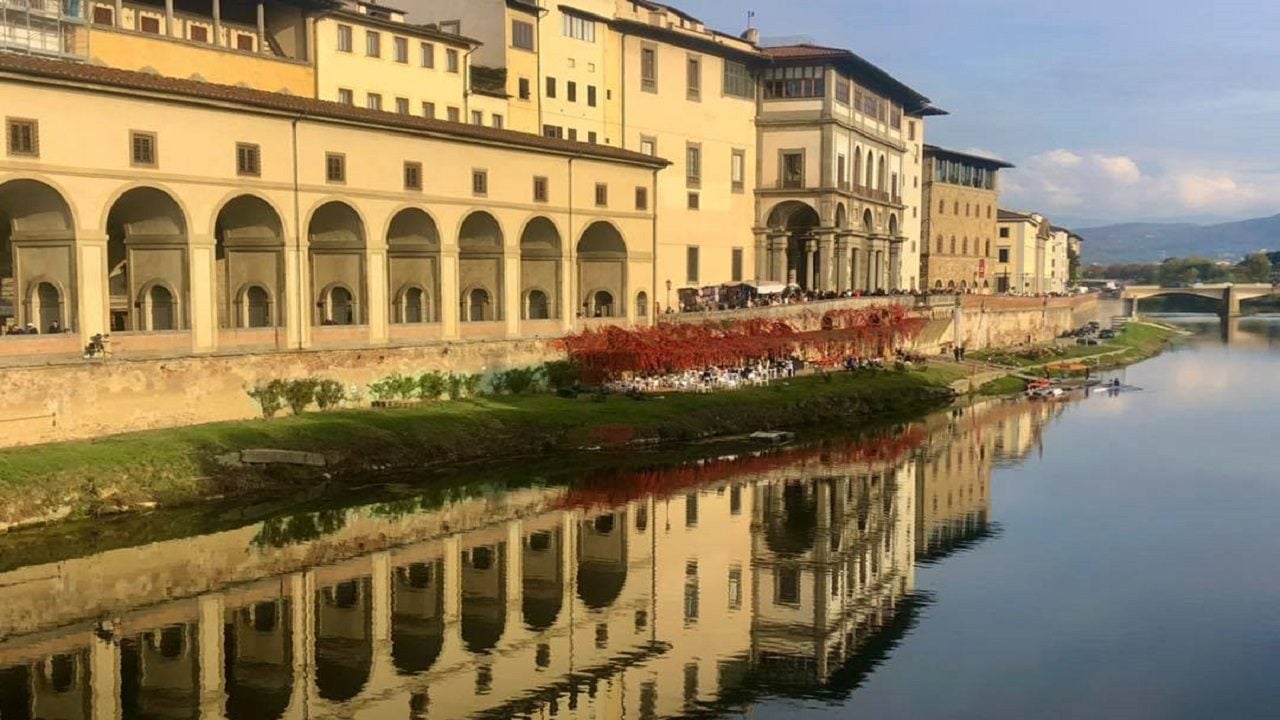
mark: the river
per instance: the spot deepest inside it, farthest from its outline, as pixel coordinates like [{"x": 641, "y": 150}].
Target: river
[{"x": 1107, "y": 557}]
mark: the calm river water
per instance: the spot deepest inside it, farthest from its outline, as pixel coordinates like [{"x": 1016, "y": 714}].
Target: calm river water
[{"x": 1111, "y": 557}]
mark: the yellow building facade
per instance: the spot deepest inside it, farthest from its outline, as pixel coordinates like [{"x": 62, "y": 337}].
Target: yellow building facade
[
  {"x": 1022, "y": 253},
  {"x": 960, "y": 201}
]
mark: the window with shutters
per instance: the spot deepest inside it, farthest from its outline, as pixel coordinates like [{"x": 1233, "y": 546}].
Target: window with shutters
[
  {"x": 479, "y": 182},
  {"x": 693, "y": 77},
  {"x": 540, "y": 189},
  {"x": 248, "y": 160},
  {"x": 22, "y": 137},
  {"x": 142, "y": 149},
  {"x": 402, "y": 50},
  {"x": 335, "y": 167},
  {"x": 691, "y": 264},
  {"x": 344, "y": 38},
  {"x": 602, "y": 195},
  {"x": 412, "y": 175},
  {"x": 737, "y": 81},
  {"x": 649, "y": 68},
  {"x": 372, "y": 44},
  {"x": 693, "y": 164},
  {"x": 428, "y": 52}
]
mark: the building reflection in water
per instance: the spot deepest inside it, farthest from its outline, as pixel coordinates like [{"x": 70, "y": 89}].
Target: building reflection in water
[{"x": 687, "y": 589}]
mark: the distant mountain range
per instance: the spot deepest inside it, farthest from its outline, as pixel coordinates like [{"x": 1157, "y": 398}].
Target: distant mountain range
[{"x": 1153, "y": 242}]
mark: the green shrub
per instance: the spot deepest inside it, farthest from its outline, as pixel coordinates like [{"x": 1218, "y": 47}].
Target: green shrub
[
  {"x": 298, "y": 394},
  {"x": 431, "y": 385},
  {"x": 560, "y": 374},
  {"x": 472, "y": 384},
  {"x": 328, "y": 393},
  {"x": 521, "y": 380},
  {"x": 396, "y": 387},
  {"x": 270, "y": 397},
  {"x": 453, "y": 386}
]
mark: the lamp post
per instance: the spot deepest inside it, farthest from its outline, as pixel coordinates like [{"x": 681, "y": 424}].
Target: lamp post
[{"x": 668, "y": 294}]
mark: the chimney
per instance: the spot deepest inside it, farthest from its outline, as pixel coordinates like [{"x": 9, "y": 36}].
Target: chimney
[{"x": 752, "y": 36}]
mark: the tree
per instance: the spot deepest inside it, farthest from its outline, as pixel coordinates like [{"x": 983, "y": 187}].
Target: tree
[{"x": 1256, "y": 268}]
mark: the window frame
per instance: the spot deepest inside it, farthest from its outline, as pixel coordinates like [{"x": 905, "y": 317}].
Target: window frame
[
  {"x": 693, "y": 164},
  {"x": 649, "y": 58},
  {"x": 602, "y": 195},
  {"x": 693, "y": 77},
  {"x": 400, "y": 49},
  {"x": 479, "y": 182},
  {"x": 33, "y": 130},
  {"x": 372, "y": 44},
  {"x": 246, "y": 151},
  {"x": 642, "y": 198},
  {"x": 541, "y": 189},
  {"x": 153, "y": 139},
  {"x": 335, "y": 160},
  {"x": 412, "y": 176},
  {"x": 427, "y": 55},
  {"x": 517, "y": 23},
  {"x": 738, "y": 165},
  {"x": 346, "y": 38},
  {"x": 693, "y": 265}
]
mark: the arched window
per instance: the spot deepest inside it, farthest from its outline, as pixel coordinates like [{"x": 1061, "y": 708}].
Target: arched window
[
  {"x": 642, "y": 304},
  {"x": 938, "y": 284},
  {"x": 964, "y": 246},
  {"x": 953, "y": 244},
  {"x": 48, "y": 307},
  {"x": 478, "y": 306},
  {"x": 871, "y": 161},
  {"x": 341, "y": 306},
  {"x": 951, "y": 285},
  {"x": 939, "y": 244},
  {"x": 602, "y": 303},
  {"x": 942, "y": 207},
  {"x": 956, "y": 209},
  {"x": 537, "y": 306},
  {"x": 413, "y": 305},
  {"x": 987, "y": 249},
  {"x": 857, "y": 165},
  {"x": 160, "y": 309},
  {"x": 257, "y": 307}
]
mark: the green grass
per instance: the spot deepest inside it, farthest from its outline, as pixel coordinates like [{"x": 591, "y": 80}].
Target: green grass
[
  {"x": 177, "y": 465},
  {"x": 1007, "y": 385},
  {"x": 1137, "y": 341}
]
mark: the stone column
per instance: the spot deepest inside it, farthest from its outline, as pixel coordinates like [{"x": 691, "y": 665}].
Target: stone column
[
  {"x": 762, "y": 250},
  {"x": 211, "y": 629},
  {"x": 855, "y": 277},
  {"x": 378, "y": 303},
  {"x": 842, "y": 263},
  {"x": 511, "y": 291},
  {"x": 811, "y": 262},
  {"x": 262, "y": 28},
  {"x": 93, "y": 297},
  {"x": 202, "y": 300},
  {"x": 515, "y": 568},
  {"x": 564, "y": 300},
  {"x": 104, "y": 677},
  {"x": 217, "y": 23},
  {"x": 778, "y": 259},
  {"x": 450, "y": 297},
  {"x": 298, "y": 306},
  {"x": 168, "y": 18},
  {"x": 826, "y": 256},
  {"x": 895, "y": 264}
]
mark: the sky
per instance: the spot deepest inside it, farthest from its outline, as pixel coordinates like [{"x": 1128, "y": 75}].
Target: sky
[{"x": 1112, "y": 110}]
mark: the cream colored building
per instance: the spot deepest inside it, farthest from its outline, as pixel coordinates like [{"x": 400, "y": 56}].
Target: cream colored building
[
  {"x": 961, "y": 198},
  {"x": 1059, "y": 256},
  {"x": 836, "y": 136},
  {"x": 1022, "y": 254}
]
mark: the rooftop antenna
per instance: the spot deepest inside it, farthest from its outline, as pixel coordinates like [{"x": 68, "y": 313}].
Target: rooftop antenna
[{"x": 751, "y": 16}]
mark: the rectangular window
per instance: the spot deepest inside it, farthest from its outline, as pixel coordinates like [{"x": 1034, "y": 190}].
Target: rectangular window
[
  {"x": 552, "y": 131},
  {"x": 413, "y": 176},
  {"x": 737, "y": 81},
  {"x": 477, "y": 117},
  {"x": 579, "y": 28},
  {"x": 428, "y": 51},
  {"x": 649, "y": 68},
  {"x": 199, "y": 33},
  {"x": 244, "y": 42},
  {"x": 735, "y": 588},
  {"x": 782, "y": 83},
  {"x": 521, "y": 35},
  {"x": 479, "y": 182},
  {"x": 248, "y": 160},
  {"x": 642, "y": 198},
  {"x": 591, "y": 95},
  {"x": 591, "y": 136},
  {"x": 911, "y": 129},
  {"x": 571, "y": 91},
  {"x": 525, "y": 90},
  {"x": 497, "y": 121},
  {"x": 738, "y": 170},
  {"x": 374, "y": 101},
  {"x": 104, "y": 15},
  {"x": 346, "y": 97},
  {"x": 648, "y": 146},
  {"x": 693, "y": 78},
  {"x": 691, "y": 264},
  {"x": 540, "y": 189},
  {"x": 602, "y": 195},
  {"x": 335, "y": 167},
  {"x": 1004, "y": 255},
  {"x": 787, "y": 590},
  {"x": 150, "y": 25},
  {"x": 372, "y": 44},
  {"x": 142, "y": 149},
  {"x": 693, "y": 165},
  {"x": 402, "y": 50},
  {"x": 735, "y": 265},
  {"x": 429, "y": 110},
  {"x": 695, "y": 201},
  {"x": 23, "y": 137},
  {"x": 841, "y": 171},
  {"x": 344, "y": 38},
  {"x": 842, "y": 91},
  {"x": 454, "y": 114},
  {"x": 573, "y": 134},
  {"x": 792, "y": 170},
  {"x": 1004, "y": 232},
  {"x": 551, "y": 87},
  {"x": 451, "y": 60},
  {"x": 402, "y": 106}
]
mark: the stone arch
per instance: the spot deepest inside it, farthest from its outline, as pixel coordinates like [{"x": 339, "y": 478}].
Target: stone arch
[
  {"x": 602, "y": 559},
  {"x": 857, "y": 165},
  {"x": 602, "y": 270},
  {"x": 258, "y": 660},
  {"x": 841, "y": 217},
  {"x": 541, "y": 253},
  {"x": 417, "y": 619},
  {"x": 868, "y": 221},
  {"x": 542, "y": 581},
  {"x": 480, "y": 265},
  {"x": 337, "y": 304},
  {"x": 343, "y": 639},
  {"x": 800, "y": 221},
  {"x": 869, "y": 170},
  {"x": 249, "y": 250},
  {"x": 146, "y": 247},
  {"x": 893, "y": 225},
  {"x": 413, "y": 266},
  {"x": 45, "y": 304},
  {"x": 336, "y": 236},
  {"x": 484, "y": 597}
]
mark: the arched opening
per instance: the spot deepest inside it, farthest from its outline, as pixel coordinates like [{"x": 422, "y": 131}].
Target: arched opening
[
  {"x": 37, "y": 240},
  {"x": 842, "y": 217},
  {"x": 868, "y": 222},
  {"x": 337, "y": 239},
  {"x": 484, "y": 597},
  {"x": 146, "y": 248},
  {"x": 480, "y": 243},
  {"x": 537, "y": 305},
  {"x": 602, "y": 559},
  {"x": 250, "y": 255},
  {"x": 882, "y": 179},
  {"x": 937, "y": 285},
  {"x": 258, "y": 660},
  {"x": 540, "y": 277},
  {"x": 799, "y": 220},
  {"x": 870, "y": 170},
  {"x": 893, "y": 226},
  {"x": 159, "y": 309},
  {"x": 413, "y": 265},
  {"x": 343, "y": 639},
  {"x": 417, "y": 621},
  {"x": 46, "y": 308},
  {"x": 160, "y": 669},
  {"x": 602, "y": 269},
  {"x": 543, "y": 579},
  {"x": 791, "y": 518},
  {"x": 857, "y": 166},
  {"x": 642, "y": 304}
]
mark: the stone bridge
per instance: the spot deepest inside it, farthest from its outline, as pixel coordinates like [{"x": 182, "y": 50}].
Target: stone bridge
[{"x": 1228, "y": 294}]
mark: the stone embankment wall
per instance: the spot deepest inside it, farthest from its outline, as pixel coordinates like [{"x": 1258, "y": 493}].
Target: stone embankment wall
[{"x": 87, "y": 399}]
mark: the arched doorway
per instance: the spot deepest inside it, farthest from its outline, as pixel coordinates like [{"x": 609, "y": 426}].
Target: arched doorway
[
  {"x": 37, "y": 235},
  {"x": 642, "y": 304},
  {"x": 250, "y": 256},
  {"x": 480, "y": 270},
  {"x": 799, "y": 221},
  {"x": 146, "y": 261},
  {"x": 413, "y": 267},
  {"x": 602, "y": 270},
  {"x": 337, "y": 243},
  {"x": 540, "y": 259}
]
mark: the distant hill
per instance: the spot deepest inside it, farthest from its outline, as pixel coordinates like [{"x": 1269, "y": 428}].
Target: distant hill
[{"x": 1153, "y": 242}]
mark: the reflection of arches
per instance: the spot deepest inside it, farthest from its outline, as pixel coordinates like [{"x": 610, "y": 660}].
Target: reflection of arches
[
  {"x": 791, "y": 518},
  {"x": 480, "y": 243},
  {"x": 249, "y": 242},
  {"x": 484, "y": 597},
  {"x": 417, "y": 623},
  {"x": 542, "y": 591},
  {"x": 602, "y": 559},
  {"x": 540, "y": 274},
  {"x": 160, "y": 673},
  {"x": 337, "y": 239},
  {"x": 343, "y": 639},
  {"x": 413, "y": 266},
  {"x": 602, "y": 268},
  {"x": 258, "y": 660},
  {"x": 146, "y": 248}
]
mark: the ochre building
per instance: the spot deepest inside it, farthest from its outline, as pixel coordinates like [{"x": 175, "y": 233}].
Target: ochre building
[{"x": 961, "y": 199}]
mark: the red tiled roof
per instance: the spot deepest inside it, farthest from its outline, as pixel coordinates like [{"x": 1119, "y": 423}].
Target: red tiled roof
[{"x": 27, "y": 68}]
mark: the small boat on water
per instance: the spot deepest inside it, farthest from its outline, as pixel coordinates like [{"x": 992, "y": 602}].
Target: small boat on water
[
  {"x": 1044, "y": 390},
  {"x": 773, "y": 437}
]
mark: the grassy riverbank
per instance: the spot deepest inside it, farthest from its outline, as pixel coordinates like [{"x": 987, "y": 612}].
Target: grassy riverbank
[
  {"x": 1137, "y": 341},
  {"x": 180, "y": 465}
]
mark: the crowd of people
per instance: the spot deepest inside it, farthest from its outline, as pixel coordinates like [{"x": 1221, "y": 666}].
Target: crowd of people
[
  {"x": 713, "y": 378},
  {"x": 30, "y": 329},
  {"x": 742, "y": 297}
]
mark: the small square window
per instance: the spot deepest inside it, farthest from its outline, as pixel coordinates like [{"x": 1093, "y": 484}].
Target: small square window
[
  {"x": 497, "y": 121},
  {"x": 479, "y": 182},
  {"x": 346, "y": 97},
  {"x": 374, "y": 101},
  {"x": 602, "y": 195},
  {"x": 454, "y": 115},
  {"x": 402, "y": 106},
  {"x": 248, "y": 160},
  {"x": 642, "y": 198},
  {"x": 413, "y": 176},
  {"x": 244, "y": 42},
  {"x": 142, "y": 149},
  {"x": 149, "y": 24},
  {"x": 695, "y": 201},
  {"x": 23, "y": 137},
  {"x": 104, "y": 15},
  {"x": 199, "y": 33},
  {"x": 429, "y": 110},
  {"x": 573, "y": 134},
  {"x": 335, "y": 167},
  {"x": 591, "y": 136},
  {"x": 540, "y": 189}
]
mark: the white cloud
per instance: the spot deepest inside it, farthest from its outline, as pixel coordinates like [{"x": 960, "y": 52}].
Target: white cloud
[{"x": 1117, "y": 186}]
